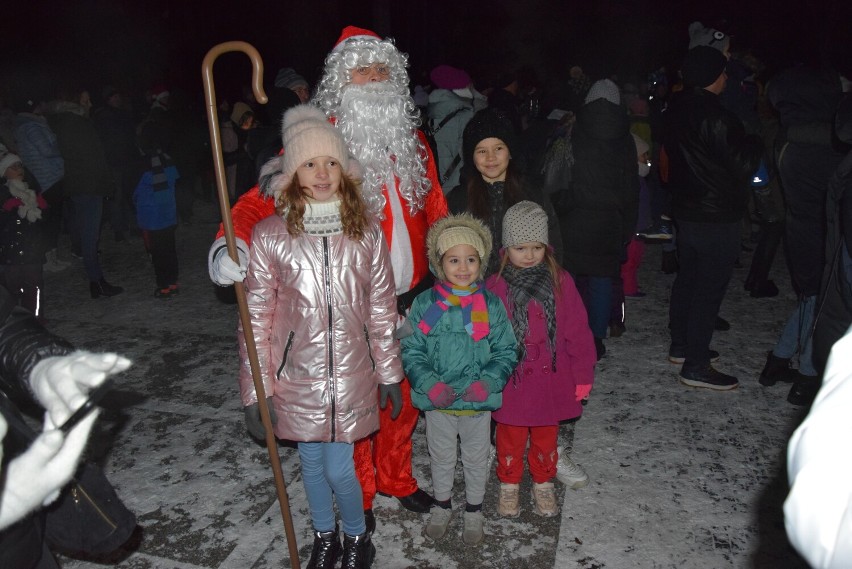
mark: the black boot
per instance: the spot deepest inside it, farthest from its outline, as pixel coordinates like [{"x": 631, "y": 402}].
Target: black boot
[
  {"x": 103, "y": 288},
  {"x": 775, "y": 370},
  {"x": 358, "y": 551},
  {"x": 326, "y": 550},
  {"x": 370, "y": 521}
]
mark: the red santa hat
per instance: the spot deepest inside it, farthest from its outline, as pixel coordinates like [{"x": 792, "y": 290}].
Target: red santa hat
[{"x": 354, "y": 33}]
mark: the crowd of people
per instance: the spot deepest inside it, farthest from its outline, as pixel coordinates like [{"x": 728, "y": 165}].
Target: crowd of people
[{"x": 467, "y": 245}]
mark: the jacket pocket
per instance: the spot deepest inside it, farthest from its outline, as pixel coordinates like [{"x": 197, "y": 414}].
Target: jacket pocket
[
  {"x": 286, "y": 352},
  {"x": 369, "y": 347}
]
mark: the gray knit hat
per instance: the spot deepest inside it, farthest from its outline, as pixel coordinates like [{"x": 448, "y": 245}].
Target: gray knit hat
[
  {"x": 604, "y": 89},
  {"x": 287, "y": 77},
  {"x": 699, "y": 35},
  {"x": 524, "y": 222}
]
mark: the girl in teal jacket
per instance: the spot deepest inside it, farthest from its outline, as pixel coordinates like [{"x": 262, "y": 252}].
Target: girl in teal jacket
[{"x": 458, "y": 359}]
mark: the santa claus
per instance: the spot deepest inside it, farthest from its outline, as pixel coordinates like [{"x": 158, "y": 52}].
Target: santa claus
[{"x": 364, "y": 92}]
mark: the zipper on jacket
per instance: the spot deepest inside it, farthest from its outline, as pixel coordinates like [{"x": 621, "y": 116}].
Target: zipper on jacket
[
  {"x": 327, "y": 278},
  {"x": 286, "y": 352},
  {"x": 369, "y": 348}
]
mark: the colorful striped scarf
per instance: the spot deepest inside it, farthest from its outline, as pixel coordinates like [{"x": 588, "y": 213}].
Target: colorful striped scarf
[{"x": 471, "y": 299}]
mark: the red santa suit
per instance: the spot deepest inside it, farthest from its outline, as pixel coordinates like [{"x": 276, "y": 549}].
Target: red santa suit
[{"x": 382, "y": 461}]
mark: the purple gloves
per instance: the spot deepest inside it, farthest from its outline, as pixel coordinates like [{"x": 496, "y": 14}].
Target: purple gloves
[
  {"x": 441, "y": 395},
  {"x": 476, "y": 392}
]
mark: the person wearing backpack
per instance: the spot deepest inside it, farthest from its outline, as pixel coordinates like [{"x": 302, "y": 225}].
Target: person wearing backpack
[{"x": 451, "y": 105}]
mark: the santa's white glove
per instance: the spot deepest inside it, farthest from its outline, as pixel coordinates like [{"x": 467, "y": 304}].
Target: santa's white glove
[
  {"x": 223, "y": 270},
  {"x": 62, "y": 383},
  {"x": 36, "y": 477}
]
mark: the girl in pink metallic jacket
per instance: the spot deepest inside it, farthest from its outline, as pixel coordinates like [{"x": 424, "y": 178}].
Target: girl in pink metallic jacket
[
  {"x": 323, "y": 307},
  {"x": 556, "y": 359}
]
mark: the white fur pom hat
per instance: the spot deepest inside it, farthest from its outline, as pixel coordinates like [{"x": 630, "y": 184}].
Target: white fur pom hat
[{"x": 305, "y": 133}]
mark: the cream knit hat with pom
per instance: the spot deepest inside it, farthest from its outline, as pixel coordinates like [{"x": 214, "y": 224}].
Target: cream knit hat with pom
[{"x": 306, "y": 134}]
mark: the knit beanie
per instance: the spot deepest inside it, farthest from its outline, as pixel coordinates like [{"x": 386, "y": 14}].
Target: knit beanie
[
  {"x": 699, "y": 35},
  {"x": 7, "y": 159},
  {"x": 460, "y": 229},
  {"x": 448, "y": 77},
  {"x": 604, "y": 89},
  {"x": 354, "y": 33},
  {"x": 306, "y": 134},
  {"x": 238, "y": 111},
  {"x": 524, "y": 222},
  {"x": 702, "y": 66},
  {"x": 487, "y": 123},
  {"x": 289, "y": 79}
]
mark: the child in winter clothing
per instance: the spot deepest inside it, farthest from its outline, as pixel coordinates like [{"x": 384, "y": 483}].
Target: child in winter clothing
[
  {"x": 22, "y": 244},
  {"x": 556, "y": 352},
  {"x": 156, "y": 213},
  {"x": 323, "y": 307},
  {"x": 458, "y": 359}
]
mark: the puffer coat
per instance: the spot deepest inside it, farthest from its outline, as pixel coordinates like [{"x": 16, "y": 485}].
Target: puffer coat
[{"x": 323, "y": 313}]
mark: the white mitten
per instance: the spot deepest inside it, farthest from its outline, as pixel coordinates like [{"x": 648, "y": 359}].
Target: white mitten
[
  {"x": 36, "y": 477},
  {"x": 223, "y": 270},
  {"x": 61, "y": 383}
]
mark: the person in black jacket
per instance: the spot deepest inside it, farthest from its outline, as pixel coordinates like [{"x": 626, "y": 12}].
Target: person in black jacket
[
  {"x": 711, "y": 160},
  {"x": 37, "y": 367}
]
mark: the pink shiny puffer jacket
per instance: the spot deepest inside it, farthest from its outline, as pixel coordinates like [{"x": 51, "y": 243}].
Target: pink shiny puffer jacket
[{"x": 323, "y": 311}]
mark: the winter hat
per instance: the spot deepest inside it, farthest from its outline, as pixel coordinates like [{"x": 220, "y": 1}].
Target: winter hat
[
  {"x": 641, "y": 145},
  {"x": 448, "y": 77},
  {"x": 603, "y": 89},
  {"x": 460, "y": 229},
  {"x": 238, "y": 111},
  {"x": 289, "y": 79},
  {"x": 699, "y": 35},
  {"x": 702, "y": 66},
  {"x": 7, "y": 159},
  {"x": 524, "y": 222},
  {"x": 487, "y": 123},
  {"x": 306, "y": 133},
  {"x": 354, "y": 33}
]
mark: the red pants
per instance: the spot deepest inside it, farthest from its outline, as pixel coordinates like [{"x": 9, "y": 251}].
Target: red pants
[
  {"x": 542, "y": 457},
  {"x": 630, "y": 268},
  {"x": 383, "y": 460}
]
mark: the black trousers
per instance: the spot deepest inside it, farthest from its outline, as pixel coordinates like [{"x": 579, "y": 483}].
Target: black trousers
[
  {"x": 161, "y": 245},
  {"x": 707, "y": 253}
]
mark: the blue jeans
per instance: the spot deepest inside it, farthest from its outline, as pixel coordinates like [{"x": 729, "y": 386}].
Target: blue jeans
[
  {"x": 329, "y": 469},
  {"x": 87, "y": 229},
  {"x": 596, "y": 293},
  {"x": 796, "y": 331}
]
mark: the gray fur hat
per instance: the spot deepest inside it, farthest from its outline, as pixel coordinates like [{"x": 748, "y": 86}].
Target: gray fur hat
[{"x": 454, "y": 230}]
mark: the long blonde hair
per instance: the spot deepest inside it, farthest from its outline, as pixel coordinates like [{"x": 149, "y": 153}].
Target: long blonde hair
[
  {"x": 353, "y": 213},
  {"x": 553, "y": 266}
]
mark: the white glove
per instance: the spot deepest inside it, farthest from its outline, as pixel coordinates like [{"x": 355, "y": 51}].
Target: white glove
[
  {"x": 61, "y": 383},
  {"x": 223, "y": 270},
  {"x": 36, "y": 477}
]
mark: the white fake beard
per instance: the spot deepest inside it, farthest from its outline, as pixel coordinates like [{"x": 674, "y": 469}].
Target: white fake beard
[{"x": 380, "y": 134}]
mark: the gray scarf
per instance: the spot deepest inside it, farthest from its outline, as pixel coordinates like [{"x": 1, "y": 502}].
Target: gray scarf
[{"x": 533, "y": 283}]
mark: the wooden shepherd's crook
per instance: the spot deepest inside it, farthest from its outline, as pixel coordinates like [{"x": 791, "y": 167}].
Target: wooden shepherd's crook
[{"x": 224, "y": 204}]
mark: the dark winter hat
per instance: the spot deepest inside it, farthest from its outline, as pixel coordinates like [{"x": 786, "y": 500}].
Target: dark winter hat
[
  {"x": 287, "y": 77},
  {"x": 487, "y": 123},
  {"x": 702, "y": 66},
  {"x": 699, "y": 35},
  {"x": 449, "y": 77}
]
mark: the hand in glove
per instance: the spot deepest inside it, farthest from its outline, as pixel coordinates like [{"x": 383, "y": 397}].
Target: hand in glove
[
  {"x": 61, "y": 383},
  {"x": 223, "y": 270},
  {"x": 254, "y": 424},
  {"x": 394, "y": 392},
  {"x": 582, "y": 391},
  {"x": 476, "y": 392},
  {"x": 36, "y": 477},
  {"x": 441, "y": 395}
]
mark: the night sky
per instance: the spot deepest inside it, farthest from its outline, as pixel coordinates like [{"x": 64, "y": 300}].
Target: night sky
[{"x": 138, "y": 44}]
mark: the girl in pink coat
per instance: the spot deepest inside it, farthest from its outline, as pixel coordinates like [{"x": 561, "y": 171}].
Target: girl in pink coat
[{"x": 557, "y": 358}]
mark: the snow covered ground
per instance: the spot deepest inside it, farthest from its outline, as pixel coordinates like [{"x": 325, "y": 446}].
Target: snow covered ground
[{"x": 680, "y": 477}]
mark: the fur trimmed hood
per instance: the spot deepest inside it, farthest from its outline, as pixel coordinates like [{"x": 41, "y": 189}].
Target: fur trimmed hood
[{"x": 455, "y": 222}]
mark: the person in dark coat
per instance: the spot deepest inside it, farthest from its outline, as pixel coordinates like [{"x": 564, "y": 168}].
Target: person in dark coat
[
  {"x": 601, "y": 205},
  {"x": 806, "y": 99},
  {"x": 711, "y": 162}
]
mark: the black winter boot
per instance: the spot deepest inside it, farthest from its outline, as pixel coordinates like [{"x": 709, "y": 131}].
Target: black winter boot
[
  {"x": 103, "y": 288},
  {"x": 326, "y": 550},
  {"x": 358, "y": 551},
  {"x": 775, "y": 370}
]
